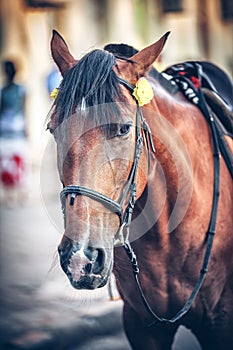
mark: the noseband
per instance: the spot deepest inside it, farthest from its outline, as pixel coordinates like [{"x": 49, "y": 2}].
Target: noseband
[{"x": 125, "y": 216}]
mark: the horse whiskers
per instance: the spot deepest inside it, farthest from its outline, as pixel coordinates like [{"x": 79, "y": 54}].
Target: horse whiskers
[
  {"x": 84, "y": 298},
  {"x": 55, "y": 262}
]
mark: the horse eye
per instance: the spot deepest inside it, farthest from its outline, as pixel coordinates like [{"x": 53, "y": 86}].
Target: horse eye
[{"x": 123, "y": 130}]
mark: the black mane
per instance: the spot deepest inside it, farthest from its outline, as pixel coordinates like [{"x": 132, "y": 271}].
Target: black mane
[
  {"x": 91, "y": 82},
  {"x": 124, "y": 51},
  {"x": 121, "y": 50}
]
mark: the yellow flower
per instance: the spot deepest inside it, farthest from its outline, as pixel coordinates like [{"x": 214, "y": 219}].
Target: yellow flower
[
  {"x": 143, "y": 92},
  {"x": 54, "y": 93}
]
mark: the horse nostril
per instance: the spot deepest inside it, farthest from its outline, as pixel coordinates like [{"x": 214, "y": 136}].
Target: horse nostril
[
  {"x": 65, "y": 252},
  {"x": 74, "y": 257},
  {"x": 88, "y": 268},
  {"x": 99, "y": 262}
]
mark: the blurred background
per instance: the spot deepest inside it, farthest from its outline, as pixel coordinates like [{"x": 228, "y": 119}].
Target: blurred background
[{"x": 39, "y": 309}]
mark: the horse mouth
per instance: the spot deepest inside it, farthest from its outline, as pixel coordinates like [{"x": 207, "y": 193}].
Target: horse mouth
[
  {"x": 84, "y": 279},
  {"x": 88, "y": 281},
  {"x": 86, "y": 267}
]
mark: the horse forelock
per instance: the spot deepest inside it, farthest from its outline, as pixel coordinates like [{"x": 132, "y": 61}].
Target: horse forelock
[{"x": 92, "y": 82}]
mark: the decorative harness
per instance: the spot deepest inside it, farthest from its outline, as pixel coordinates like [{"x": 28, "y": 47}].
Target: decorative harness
[{"x": 125, "y": 216}]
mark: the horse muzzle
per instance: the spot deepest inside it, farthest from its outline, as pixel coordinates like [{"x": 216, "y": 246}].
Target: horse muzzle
[{"x": 86, "y": 267}]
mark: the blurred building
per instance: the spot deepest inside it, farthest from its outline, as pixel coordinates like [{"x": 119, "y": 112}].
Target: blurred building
[{"x": 200, "y": 29}]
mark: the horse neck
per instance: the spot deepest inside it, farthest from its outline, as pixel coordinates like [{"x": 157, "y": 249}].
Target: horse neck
[
  {"x": 172, "y": 162},
  {"x": 175, "y": 127}
]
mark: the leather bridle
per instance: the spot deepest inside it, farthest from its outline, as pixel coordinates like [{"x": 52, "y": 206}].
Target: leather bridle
[{"x": 125, "y": 216}]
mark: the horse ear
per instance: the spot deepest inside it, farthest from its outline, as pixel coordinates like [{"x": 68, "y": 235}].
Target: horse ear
[
  {"x": 142, "y": 60},
  {"x": 61, "y": 54}
]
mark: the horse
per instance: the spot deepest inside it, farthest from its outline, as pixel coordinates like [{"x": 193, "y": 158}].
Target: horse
[{"x": 146, "y": 194}]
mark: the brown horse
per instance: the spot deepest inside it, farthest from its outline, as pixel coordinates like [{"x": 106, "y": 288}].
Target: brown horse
[{"x": 106, "y": 132}]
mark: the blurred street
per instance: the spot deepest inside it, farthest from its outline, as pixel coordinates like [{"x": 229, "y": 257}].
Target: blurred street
[{"x": 39, "y": 309}]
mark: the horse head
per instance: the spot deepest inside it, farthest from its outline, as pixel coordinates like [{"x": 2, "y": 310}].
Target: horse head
[{"x": 97, "y": 129}]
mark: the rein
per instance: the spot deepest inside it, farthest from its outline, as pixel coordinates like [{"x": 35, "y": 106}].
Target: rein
[{"x": 126, "y": 216}]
